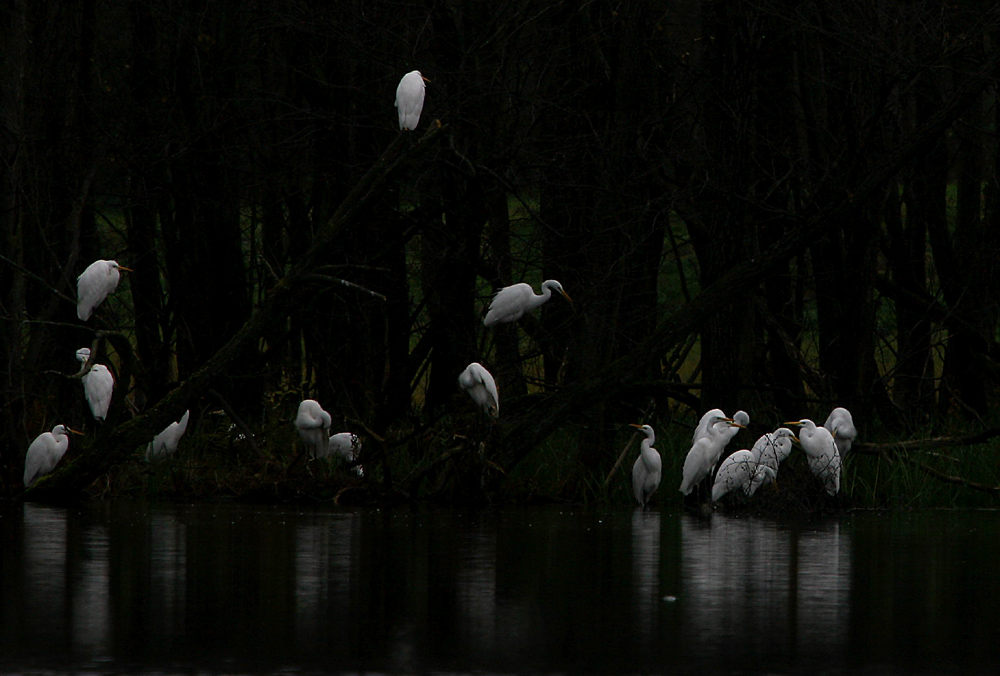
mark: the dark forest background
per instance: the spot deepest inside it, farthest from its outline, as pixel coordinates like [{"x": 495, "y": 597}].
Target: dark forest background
[{"x": 780, "y": 206}]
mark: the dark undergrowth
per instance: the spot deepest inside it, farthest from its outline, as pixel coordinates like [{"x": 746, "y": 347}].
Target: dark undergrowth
[{"x": 443, "y": 465}]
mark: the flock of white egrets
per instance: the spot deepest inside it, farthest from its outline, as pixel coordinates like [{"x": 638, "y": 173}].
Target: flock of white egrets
[
  {"x": 101, "y": 279},
  {"x": 747, "y": 470},
  {"x": 97, "y": 282}
]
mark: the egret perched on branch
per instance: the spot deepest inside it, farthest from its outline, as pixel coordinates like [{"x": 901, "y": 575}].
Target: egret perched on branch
[
  {"x": 410, "y": 99},
  {"x": 705, "y": 452},
  {"x": 313, "y": 424},
  {"x": 93, "y": 286},
  {"x": 165, "y": 443},
  {"x": 83, "y": 354},
  {"x": 98, "y": 386},
  {"x": 819, "y": 447},
  {"x": 511, "y": 302},
  {"x": 735, "y": 472},
  {"x": 648, "y": 467},
  {"x": 841, "y": 426},
  {"x": 480, "y": 385},
  {"x": 45, "y": 452}
]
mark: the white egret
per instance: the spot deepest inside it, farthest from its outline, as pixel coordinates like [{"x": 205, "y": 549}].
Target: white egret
[
  {"x": 480, "y": 385},
  {"x": 706, "y": 427},
  {"x": 772, "y": 448},
  {"x": 735, "y": 472},
  {"x": 704, "y": 453},
  {"x": 821, "y": 450},
  {"x": 347, "y": 446},
  {"x": 93, "y": 286},
  {"x": 841, "y": 426},
  {"x": 313, "y": 424},
  {"x": 165, "y": 443},
  {"x": 98, "y": 386},
  {"x": 762, "y": 475},
  {"x": 83, "y": 354},
  {"x": 511, "y": 302},
  {"x": 648, "y": 467},
  {"x": 45, "y": 452},
  {"x": 410, "y": 99}
]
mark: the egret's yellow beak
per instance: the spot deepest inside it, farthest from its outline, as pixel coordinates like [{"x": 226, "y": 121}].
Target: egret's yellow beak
[
  {"x": 73, "y": 431},
  {"x": 565, "y": 295},
  {"x": 638, "y": 427},
  {"x": 122, "y": 267},
  {"x": 794, "y": 422}
]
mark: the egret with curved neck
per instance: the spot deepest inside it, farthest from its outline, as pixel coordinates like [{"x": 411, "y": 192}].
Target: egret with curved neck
[{"x": 511, "y": 302}]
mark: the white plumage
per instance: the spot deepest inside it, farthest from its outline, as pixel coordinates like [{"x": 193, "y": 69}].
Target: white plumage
[
  {"x": 479, "y": 383},
  {"x": 735, "y": 472},
  {"x": 705, "y": 452},
  {"x": 98, "y": 386},
  {"x": 822, "y": 453},
  {"x": 762, "y": 475},
  {"x": 511, "y": 302},
  {"x": 313, "y": 424},
  {"x": 647, "y": 469},
  {"x": 772, "y": 448},
  {"x": 410, "y": 99},
  {"x": 44, "y": 453},
  {"x": 83, "y": 354},
  {"x": 165, "y": 443},
  {"x": 347, "y": 445},
  {"x": 93, "y": 286},
  {"x": 841, "y": 426}
]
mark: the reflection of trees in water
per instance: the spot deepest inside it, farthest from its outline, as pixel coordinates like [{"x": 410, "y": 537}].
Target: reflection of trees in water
[
  {"x": 742, "y": 575},
  {"x": 645, "y": 572}
]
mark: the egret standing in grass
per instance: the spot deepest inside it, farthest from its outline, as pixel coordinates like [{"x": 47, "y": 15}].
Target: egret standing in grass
[
  {"x": 95, "y": 284},
  {"x": 648, "y": 467},
  {"x": 313, "y": 424},
  {"x": 410, "y": 100},
  {"x": 841, "y": 426},
  {"x": 479, "y": 383},
  {"x": 511, "y": 302},
  {"x": 165, "y": 443},
  {"x": 819, "y": 447},
  {"x": 705, "y": 453},
  {"x": 45, "y": 452}
]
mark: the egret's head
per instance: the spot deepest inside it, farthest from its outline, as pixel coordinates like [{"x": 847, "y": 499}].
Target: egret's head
[{"x": 115, "y": 264}]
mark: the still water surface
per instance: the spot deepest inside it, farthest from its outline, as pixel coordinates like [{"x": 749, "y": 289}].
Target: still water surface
[{"x": 131, "y": 587}]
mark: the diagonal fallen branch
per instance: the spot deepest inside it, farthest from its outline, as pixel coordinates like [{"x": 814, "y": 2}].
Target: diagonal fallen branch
[
  {"x": 901, "y": 450},
  {"x": 116, "y": 445}
]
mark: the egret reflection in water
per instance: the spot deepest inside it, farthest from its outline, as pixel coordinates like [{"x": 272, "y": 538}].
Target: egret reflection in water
[
  {"x": 119, "y": 587},
  {"x": 743, "y": 574}
]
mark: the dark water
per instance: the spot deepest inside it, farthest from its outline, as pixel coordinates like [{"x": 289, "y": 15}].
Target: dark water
[{"x": 128, "y": 587}]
